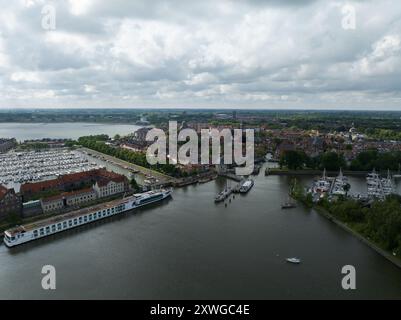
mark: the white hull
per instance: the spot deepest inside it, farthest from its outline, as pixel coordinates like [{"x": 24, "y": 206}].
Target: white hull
[
  {"x": 246, "y": 186},
  {"x": 68, "y": 221}
]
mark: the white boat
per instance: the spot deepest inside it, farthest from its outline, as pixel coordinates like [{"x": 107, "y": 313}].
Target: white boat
[
  {"x": 293, "y": 260},
  {"x": 339, "y": 185},
  {"x": 246, "y": 186},
  {"x": 374, "y": 185},
  {"x": 36, "y": 230},
  {"x": 322, "y": 185},
  {"x": 387, "y": 184}
]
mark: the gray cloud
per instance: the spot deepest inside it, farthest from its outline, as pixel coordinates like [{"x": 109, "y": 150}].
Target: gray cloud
[{"x": 200, "y": 54}]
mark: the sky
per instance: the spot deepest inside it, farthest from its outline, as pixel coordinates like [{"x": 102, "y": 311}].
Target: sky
[{"x": 312, "y": 54}]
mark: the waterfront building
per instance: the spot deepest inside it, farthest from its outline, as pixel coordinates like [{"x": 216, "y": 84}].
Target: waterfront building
[
  {"x": 31, "y": 208},
  {"x": 108, "y": 188},
  {"x": 80, "y": 196},
  {"x": 10, "y": 202},
  {"x": 73, "y": 181},
  {"x": 140, "y": 134},
  {"x": 52, "y": 204},
  {"x": 68, "y": 199}
]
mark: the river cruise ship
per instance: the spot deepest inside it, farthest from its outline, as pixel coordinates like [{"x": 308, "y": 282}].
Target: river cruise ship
[{"x": 40, "y": 229}]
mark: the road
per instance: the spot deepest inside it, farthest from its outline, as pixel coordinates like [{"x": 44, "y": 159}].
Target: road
[{"x": 163, "y": 179}]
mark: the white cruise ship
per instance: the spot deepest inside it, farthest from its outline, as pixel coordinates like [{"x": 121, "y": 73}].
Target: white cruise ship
[{"x": 43, "y": 228}]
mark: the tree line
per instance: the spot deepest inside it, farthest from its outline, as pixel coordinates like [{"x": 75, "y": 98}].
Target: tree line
[
  {"x": 332, "y": 161},
  {"x": 98, "y": 143},
  {"x": 380, "y": 222}
]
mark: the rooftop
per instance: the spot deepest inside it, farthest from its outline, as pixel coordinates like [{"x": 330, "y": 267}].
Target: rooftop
[{"x": 68, "y": 194}]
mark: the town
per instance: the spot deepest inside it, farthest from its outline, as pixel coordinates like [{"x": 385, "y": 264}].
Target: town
[{"x": 47, "y": 178}]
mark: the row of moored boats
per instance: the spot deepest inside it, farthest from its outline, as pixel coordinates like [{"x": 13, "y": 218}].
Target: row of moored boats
[{"x": 377, "y": 187}]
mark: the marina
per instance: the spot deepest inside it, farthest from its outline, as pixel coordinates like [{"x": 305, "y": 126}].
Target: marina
[
  {"x": 162, "y": 245},
  {"x": 31, "y": 166},
  {"x": 377, "y": 187}
]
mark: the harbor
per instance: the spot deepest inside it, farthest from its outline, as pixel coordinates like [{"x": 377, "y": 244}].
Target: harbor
[
  {"x": 166, "y": 247},
  {"x": 377, "y": 187}
]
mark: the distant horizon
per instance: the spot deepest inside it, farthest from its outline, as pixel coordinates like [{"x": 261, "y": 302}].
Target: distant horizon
[{"x": 200, "y": 109}]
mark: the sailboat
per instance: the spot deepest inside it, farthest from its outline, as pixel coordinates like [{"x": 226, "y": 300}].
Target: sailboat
[
  {"x": 322, "y": 185},
  {"x": 387, "y": 184},
  {"x": 374, "y": 185},
  {"x": 339, "y": 184}
]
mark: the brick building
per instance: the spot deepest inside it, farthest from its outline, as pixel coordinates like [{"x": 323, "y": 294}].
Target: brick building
[
  {"x": 68, "y": 199},
  {"x": 72, "y": 182},
  {"x": 10, "y": 202}
]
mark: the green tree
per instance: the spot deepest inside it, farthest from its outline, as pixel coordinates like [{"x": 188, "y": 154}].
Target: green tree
[
  {"x": 293, "y": 159},
  {"x": 332, "y": 161},
  {"x": 134, "y": 185}
]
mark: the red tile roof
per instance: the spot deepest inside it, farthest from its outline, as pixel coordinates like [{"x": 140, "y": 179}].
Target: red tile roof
[{"x": 99, "y": 175}]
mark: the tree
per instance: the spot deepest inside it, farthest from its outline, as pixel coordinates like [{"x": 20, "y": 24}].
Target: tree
[
  {"x": 293, "y": 159},
  {"x": 332, "y": 161},
  {"x": 134, "y": 184}
]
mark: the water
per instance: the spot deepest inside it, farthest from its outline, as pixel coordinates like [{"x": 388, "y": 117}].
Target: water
[
  {"x": 190, "y": 248},
  {"x": 27, "y": 131}
]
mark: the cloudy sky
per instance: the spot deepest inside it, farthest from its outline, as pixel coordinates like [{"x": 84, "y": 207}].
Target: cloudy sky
[{"x": 225, "y": 54}]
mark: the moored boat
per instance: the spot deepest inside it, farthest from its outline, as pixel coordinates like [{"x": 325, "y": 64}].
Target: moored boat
[
  {"x": 28, "y": 232},
  {"x": 322, "y": 185},
  {"x": 340, "y": 185},
  {"x": 246, "y": 185}
]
